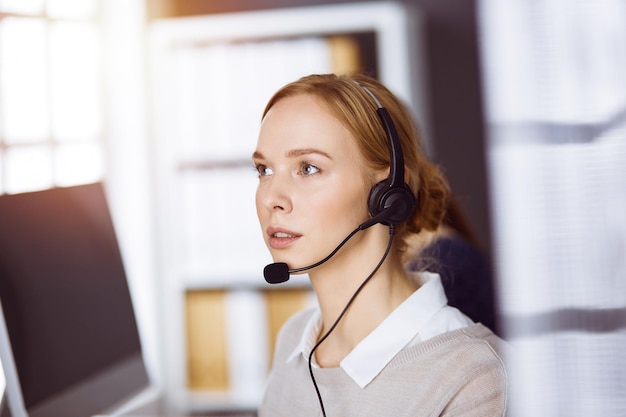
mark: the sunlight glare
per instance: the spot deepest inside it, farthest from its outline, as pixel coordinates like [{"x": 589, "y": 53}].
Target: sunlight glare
[{"x": 23, "y": 80}]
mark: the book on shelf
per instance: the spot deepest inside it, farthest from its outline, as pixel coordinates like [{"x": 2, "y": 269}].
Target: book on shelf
[{"x": 231, "y": 336}]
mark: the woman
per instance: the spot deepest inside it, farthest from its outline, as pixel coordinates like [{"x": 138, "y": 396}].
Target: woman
[{"x": 383, "y": 341}]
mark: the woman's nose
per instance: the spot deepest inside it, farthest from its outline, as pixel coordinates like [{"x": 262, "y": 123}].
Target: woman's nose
[{"x": 275, "y": 195}]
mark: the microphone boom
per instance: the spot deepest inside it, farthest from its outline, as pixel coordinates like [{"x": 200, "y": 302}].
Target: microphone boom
[{"x": 277, "y": 273}]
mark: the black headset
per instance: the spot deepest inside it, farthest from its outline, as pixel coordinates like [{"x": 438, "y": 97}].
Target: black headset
[{"x": 392, "y": 194}]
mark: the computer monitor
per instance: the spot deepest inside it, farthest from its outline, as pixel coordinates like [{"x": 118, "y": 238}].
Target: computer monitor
[{"x": 69, "y": 341}]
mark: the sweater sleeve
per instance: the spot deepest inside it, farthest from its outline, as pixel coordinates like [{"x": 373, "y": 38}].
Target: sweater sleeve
[{"x": 482, "y": 395}]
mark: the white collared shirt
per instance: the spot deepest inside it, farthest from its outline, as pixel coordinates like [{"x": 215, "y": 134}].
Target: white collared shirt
[{"x": 424, "y": 314}]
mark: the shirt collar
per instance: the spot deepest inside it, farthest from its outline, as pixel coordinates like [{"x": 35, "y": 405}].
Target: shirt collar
[{"x": 402, "y": 326}]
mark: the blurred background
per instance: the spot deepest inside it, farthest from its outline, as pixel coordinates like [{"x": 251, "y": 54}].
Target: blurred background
[{"x": 523, "y": 103}]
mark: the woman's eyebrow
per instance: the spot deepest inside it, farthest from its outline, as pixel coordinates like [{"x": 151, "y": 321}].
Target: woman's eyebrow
[
  {"x": 294, "y": 153},
  {"x": 307, "y": 151}
]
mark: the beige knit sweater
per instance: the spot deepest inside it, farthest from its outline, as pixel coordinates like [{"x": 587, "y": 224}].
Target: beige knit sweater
[{"x": 459, "y": 373}]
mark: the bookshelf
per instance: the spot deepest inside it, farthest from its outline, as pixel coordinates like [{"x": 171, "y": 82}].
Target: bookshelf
[{"x": 210, "y": 79}]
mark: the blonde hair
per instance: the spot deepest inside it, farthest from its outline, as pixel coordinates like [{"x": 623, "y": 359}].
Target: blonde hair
[{"x": 356, "y": 110}]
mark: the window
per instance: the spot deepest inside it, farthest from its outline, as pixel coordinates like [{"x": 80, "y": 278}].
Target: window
[
  {"x": 556, "y": 114},
  {"x": 50, "y": 94}
]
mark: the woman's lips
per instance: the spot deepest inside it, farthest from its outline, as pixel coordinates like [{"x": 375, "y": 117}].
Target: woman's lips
[{"x": 281, "y": 238}]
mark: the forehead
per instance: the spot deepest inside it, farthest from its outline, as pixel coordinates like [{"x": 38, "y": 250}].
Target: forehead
[{"x": 305, "y": 121}]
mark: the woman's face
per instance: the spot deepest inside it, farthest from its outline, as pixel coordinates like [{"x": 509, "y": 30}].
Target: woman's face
[{"x": 312, "y": 190}]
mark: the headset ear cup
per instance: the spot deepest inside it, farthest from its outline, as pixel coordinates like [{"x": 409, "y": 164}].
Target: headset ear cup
[
  {"x": 383, "y": 196},
  {"x": 404, "y": 200},
  {"x": 375, "y": 199}
]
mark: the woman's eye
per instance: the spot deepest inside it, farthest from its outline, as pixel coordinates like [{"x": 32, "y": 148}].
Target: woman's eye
[
  {"x": 308, "y": 169},
  {"x": 263, "y": 170}
]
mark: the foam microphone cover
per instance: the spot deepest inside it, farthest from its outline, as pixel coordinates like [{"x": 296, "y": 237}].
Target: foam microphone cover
[{"x": 276, "y": 273}]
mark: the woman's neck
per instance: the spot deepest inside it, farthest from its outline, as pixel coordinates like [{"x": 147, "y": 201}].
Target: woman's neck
[{"x": 334, "y": 287}]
